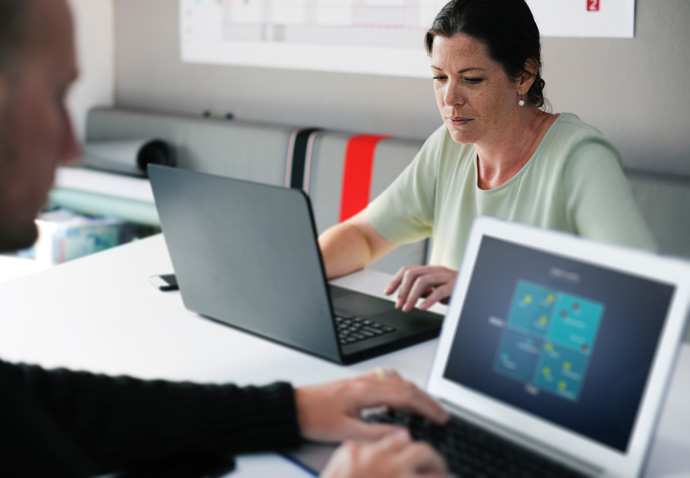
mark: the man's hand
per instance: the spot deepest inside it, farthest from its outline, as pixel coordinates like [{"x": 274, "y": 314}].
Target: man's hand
[
  {"x": 394, "y": 456},
  {"x": 433, "y": 283},
  {"x": 332, "y": 412}
]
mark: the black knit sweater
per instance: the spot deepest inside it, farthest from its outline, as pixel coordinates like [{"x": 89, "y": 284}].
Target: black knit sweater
[{"x": 65, "y": 423}]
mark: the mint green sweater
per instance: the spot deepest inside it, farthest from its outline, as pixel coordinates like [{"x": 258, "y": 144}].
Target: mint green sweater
[{"x": 574, "y": 183}]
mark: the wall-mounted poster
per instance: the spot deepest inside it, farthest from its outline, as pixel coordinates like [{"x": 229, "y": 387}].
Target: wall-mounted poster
[
  {"x": 382, "y": 37},
  {"x": 584, "y": 18}
]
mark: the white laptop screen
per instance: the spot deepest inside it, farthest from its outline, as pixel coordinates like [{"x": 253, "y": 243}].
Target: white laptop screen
[{"x": 569, "y": 342}]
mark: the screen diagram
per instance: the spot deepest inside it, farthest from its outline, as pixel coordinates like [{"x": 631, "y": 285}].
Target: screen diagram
[{"x": 548, "y": 339}]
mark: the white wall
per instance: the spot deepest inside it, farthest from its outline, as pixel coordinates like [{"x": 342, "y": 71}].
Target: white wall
[
  {"x": 635, "y": 90},
  {"x": 96, "y": 55}
]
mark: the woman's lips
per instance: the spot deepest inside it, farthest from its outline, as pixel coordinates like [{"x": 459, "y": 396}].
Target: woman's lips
[{"x": 458, "y": 121}]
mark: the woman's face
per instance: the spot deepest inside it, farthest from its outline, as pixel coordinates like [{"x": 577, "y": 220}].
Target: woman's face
[{"x": 476, "y": 98}]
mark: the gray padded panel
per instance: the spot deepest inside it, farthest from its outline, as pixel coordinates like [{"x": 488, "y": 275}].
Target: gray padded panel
[
  {"x": 244, "y": 150},
  {"x": 664, "y": 201},
  {"x": 391, "y": 157},
  {"x": 324, "y": 187},
  {"x": 325, "y": 180}
]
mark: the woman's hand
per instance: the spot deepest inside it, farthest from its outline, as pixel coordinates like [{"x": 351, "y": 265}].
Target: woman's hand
[
  {"x": 394, "y": 456},
  {"x": 332, "y": 412},
  {"x": 433, "y": 283}
]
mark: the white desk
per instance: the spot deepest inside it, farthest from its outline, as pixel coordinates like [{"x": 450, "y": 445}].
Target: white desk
[{"x": 100, "y": 313}]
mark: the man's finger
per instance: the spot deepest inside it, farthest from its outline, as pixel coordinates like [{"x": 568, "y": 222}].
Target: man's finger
[
  {"x": 402, "y": 394},
  {"x": 421, "y": 457},
  {"x": 384, "y": 374},
  {"x": 361, "y": 430}
]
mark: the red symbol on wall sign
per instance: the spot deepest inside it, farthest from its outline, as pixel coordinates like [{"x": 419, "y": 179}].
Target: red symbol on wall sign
[{"x": 593, "y": 5}]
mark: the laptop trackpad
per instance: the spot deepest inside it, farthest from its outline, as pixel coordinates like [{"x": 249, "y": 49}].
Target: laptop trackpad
[{"x": 357, "y": 304}]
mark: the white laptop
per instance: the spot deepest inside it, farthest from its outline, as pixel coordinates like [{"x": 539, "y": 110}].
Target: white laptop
[{"x": 562, "y": 344}]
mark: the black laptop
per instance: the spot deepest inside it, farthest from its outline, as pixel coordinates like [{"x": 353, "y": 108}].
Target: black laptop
[{"x": 246, "y": 254}]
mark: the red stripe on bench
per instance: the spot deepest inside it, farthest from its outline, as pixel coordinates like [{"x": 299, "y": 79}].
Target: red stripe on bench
[{"x": 359, "y": 166}]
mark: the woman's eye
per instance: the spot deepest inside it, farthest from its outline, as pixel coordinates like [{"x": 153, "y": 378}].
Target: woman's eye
[
  {"x": 439, "y": 78},
  {"x": 474, "y": 81}
]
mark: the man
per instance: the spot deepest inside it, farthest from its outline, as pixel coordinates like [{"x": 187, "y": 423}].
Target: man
[{"x": 65, "y": 423}]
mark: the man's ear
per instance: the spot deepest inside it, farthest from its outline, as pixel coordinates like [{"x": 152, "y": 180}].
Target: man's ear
[{"x": 528, "y": 75}]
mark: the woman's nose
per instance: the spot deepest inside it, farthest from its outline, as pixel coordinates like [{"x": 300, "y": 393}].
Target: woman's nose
[{"x": 453, "y": 96}]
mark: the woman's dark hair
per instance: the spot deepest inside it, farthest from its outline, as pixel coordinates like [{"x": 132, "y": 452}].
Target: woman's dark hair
[{"x": 507, "y": 28}]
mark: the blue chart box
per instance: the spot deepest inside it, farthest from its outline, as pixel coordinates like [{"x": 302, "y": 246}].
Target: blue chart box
[{"x": 548, "y": 339}]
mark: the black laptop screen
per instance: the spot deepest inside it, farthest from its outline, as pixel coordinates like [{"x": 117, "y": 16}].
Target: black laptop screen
[{"x": 567, "y": 341}]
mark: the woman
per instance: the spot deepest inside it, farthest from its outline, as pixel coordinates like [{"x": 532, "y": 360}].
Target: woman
[{"x": 498, "y": 153}]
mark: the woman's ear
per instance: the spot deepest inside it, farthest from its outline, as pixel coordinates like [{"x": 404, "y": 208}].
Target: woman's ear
[{"x": 528, "y": 75}]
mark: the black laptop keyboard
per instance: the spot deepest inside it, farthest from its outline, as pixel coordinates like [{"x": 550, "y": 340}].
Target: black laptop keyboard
[
  {"x": 354, "y": 329},
  {"x": 471, "y": 451}
]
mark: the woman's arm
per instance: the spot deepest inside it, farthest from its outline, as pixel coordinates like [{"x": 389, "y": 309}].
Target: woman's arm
[{"x": 352, "y": 245}]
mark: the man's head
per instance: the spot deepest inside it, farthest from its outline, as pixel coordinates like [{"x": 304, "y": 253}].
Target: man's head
[
  {"x": 12, "y": 17},
  {"x": 37, "y": 66}
]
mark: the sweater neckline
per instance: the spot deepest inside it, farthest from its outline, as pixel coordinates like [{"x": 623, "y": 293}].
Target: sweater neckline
[{"x": 544, "y": 140}]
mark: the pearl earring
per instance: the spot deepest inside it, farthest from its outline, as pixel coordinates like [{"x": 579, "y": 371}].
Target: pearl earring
[{"x": 521, "y": 102}]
